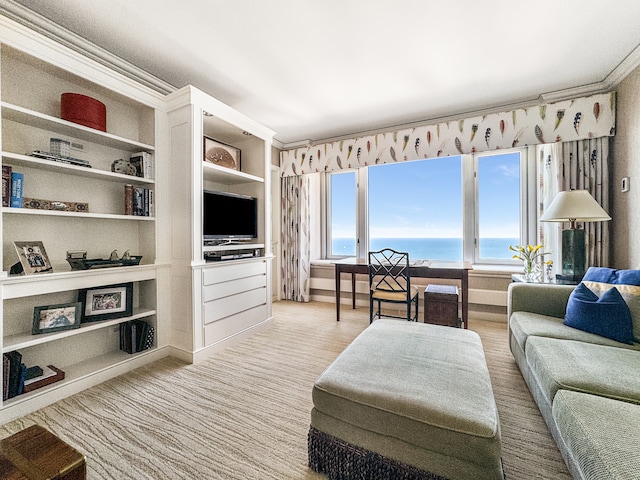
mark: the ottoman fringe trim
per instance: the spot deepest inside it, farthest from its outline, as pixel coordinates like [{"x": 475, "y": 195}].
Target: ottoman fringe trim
[{"x": 340, "y": 460}]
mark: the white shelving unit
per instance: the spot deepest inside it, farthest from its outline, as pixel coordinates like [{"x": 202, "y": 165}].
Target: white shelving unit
[
  {"x": 29, "y": 118},
  {"x": 224, "y": 300}
]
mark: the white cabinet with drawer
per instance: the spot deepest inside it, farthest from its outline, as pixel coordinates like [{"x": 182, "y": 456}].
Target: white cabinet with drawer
[{"x": 234, "y": 298}]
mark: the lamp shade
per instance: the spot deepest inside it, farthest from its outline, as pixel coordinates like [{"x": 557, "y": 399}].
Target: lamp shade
[{"x": 572, "y": 206}]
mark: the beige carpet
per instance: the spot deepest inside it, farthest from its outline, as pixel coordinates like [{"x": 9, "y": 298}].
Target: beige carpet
[{"x": 244, "y": 413}]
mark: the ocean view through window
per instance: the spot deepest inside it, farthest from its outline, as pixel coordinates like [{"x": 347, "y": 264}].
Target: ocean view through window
[{"x": 428, "y": 248}]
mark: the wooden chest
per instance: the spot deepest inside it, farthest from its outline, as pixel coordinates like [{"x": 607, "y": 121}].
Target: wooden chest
[
  {"x": 35, "y": 453},
  {"x": 441, "y": 305}
]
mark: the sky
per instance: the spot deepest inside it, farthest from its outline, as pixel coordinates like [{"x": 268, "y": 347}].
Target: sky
[{"x": 423, "y": 199}]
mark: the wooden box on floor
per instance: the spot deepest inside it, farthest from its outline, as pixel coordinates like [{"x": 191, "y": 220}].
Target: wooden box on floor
[
  {"x": 441, "y": 305},
  {"x": 35, "y": 453}
]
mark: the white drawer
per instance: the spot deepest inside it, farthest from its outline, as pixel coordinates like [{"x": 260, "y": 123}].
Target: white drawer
[
  {"x": 217, "y": 331},
  {"x": 232, "y": 287},
  {"x": 224, "y": 273},
  {"x": 226, "y": 306}
]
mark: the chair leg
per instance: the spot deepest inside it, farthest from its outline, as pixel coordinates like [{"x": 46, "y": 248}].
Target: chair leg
[{"x": 370, "y": 309}]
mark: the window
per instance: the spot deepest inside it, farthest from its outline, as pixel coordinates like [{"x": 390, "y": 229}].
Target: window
[
  {"x": 469, "y": 207},
  {"x": 416, "y": 207},
  {"x": 498, "y": 205},
  {"x": 342, "y": 214}
]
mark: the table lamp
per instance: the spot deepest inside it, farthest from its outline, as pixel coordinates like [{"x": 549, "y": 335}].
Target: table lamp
[{"x": 574, "y": 206}]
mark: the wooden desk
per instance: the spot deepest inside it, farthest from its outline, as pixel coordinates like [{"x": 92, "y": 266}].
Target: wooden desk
[{"x": 434, "y": 269}]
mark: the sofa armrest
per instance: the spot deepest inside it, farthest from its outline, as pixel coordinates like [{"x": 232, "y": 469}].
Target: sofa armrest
[{"x": 540, "y": 298}]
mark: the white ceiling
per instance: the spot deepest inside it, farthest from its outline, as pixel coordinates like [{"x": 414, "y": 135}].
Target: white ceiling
[{"x": 318, "y": 69}]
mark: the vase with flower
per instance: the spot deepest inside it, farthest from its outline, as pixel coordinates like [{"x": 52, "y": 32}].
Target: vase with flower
[{"x": 533, "y": 258}]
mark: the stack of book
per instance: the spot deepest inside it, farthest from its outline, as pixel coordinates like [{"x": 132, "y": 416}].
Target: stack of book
[
  {"x": 135, "y": 336},
  {"x": 12, "y": 186},
  {"x": 138, "y": 201},
  {"x": 143, "y": 163},
  {"x": 18, "y": 379}
]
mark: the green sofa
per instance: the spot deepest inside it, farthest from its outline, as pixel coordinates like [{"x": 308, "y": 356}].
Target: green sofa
[{"x": 587, "y": 387}]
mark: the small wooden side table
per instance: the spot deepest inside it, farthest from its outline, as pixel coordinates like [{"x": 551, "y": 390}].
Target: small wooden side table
[{"x": 36, "y": 453}]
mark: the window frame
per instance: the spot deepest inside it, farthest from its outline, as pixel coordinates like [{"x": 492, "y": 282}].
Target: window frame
[{"x": 469, "y": 175}]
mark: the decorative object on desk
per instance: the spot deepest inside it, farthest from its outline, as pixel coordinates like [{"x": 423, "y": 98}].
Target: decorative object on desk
[
  {"x": 574, "y": 206},
  {"x": 54, "y": 318},
  {"x": 221, "y": 154},
  {"x": 33, "y": 258},
  {"x": 83, "y": 110},
  {"x": 40, "y": 204},
  {"x": 102, "y": 303},
  {"x": 123, "y": 166},
  {"x": 533, "y": 258},
  {"x": 78, "y": 260}
]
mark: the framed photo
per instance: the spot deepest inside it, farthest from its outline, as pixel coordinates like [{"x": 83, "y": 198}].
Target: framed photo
[
  {"x": 53, "y": 318},
  {"x": 102, "y": 303},
  {"x": 33, "y": 257},
  {"x": 221, "y": 154}
]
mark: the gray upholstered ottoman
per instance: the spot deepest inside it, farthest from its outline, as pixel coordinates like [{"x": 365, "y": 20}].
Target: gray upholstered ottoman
[{"x": 406, "y": 400}]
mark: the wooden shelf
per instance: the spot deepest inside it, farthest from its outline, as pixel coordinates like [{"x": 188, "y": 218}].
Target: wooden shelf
[
  {"x": 63, "y": 127},
  {"x": 19, "y": 286},
  {"x": 57, "y": 213},
  {"x": 76, "y": 372},
  {"x": 26, "y": 340},
  {"x": 226, "y": 175},
  {"x": 50, "y": 165}
]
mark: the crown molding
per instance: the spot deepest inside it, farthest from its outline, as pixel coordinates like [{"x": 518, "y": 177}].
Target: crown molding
[{"x": 42, "y": 25}]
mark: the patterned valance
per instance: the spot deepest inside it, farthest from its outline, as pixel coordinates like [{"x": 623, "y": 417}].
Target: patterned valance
[{"x": 569, "y": 120}]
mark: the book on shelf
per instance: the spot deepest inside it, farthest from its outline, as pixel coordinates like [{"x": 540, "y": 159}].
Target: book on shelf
[
  {"x": 143, "y": 163},
  {"x": 17, "y": 181},
  {"x": 6, "y": 185},
  {"x": 135, "y": 336},
  {"x": 5, "y": 376},
  {"x": 15, "y": 382},
  {"x": 138, "y": 201},
  {"x": 50, "y": 374}
]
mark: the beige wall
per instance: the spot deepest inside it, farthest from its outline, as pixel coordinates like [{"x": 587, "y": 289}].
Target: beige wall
[{"x": 625, "y": 210}]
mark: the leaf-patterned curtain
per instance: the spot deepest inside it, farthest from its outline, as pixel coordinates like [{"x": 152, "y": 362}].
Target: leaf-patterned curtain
[
  {"x": 569, "y": 120},
  {"x": 295, "y": 241},
  {"x": 579, "y": 165}
]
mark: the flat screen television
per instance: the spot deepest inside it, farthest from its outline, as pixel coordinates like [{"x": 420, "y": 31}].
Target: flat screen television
[{"x": 229, "y": 216}]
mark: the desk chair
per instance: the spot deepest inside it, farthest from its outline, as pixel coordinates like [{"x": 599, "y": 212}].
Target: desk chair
[{"x": 389, "y": 281}]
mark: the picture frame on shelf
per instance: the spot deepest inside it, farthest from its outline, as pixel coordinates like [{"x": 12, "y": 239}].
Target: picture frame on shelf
[
  {"x": 54, "y": 318},
  {"x": 104, "y": 303},
  {"x": 33, "y": 257},
  {"x": 221, "y": 154}
]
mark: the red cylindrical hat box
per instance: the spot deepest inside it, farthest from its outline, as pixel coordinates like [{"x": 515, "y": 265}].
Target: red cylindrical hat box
[{"x": 83, "y": 110}]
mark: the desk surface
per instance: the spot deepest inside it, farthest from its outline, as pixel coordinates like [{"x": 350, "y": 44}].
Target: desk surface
[{"x": 412, "y": 263}]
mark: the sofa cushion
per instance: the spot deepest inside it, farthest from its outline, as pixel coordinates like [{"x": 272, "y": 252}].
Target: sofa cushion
[
  {"x": 600, "y": 435},
  {"x": 627, "y": 282},
  {"x": 607, "y": 315},
  {"x": 584, "y": 367},
  {"x": 525, "y": 324}
]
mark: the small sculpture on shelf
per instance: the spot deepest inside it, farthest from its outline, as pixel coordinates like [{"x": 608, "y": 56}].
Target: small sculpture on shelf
[{"x": 79, "y": 261}]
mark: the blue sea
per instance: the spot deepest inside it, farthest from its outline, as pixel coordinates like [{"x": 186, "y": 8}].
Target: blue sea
[{"x": 429, "y": 248}]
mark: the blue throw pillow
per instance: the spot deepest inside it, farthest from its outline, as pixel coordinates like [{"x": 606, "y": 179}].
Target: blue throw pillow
[
  {"x": 627, "y": 282},
  {"x": 607, "y": 316}
]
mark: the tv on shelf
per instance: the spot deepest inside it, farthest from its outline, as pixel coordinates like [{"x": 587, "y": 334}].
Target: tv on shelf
[{"x": 229, "y": 216}]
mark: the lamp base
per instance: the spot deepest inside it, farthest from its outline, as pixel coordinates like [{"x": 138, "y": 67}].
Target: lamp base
[{"x": 573, "y": 255}]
